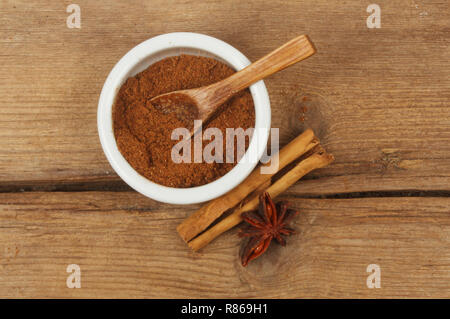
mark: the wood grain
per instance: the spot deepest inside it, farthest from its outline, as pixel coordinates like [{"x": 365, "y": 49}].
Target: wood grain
[
  {"x": 378, "y": 98},
  {"x": 127, "y": 246}
]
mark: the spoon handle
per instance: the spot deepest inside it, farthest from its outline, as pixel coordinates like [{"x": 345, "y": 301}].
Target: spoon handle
[{"x": 291, "y": 52}]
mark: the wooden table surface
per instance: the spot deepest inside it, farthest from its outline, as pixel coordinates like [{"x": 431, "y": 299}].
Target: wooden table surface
[{"x": 378, "y": 99}]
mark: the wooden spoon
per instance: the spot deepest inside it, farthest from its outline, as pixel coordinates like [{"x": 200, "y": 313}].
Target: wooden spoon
[{"x": 200, "y": 103}]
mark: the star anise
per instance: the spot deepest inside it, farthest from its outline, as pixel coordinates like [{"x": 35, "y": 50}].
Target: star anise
[{"x": 268, "y": 222}]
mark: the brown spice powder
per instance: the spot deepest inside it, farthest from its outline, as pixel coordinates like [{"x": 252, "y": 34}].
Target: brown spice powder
[{"x": 143, "y": 132}]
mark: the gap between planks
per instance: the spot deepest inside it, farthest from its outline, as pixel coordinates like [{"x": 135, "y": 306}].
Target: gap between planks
[{"x": 119, "y": 186}]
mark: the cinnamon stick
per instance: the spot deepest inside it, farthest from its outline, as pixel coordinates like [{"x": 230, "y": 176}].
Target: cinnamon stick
[
  {"x": 206, "y": 215},
  {"x": 316, "y": 160}
]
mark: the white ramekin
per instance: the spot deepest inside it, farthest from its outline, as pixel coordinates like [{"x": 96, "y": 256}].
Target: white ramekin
[{"x": 137, "y": 60}]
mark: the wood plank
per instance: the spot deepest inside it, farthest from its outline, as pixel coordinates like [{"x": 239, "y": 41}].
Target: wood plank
[
  {"x": 378, "y": 98},
  {"x": 127, "y": 246}
]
